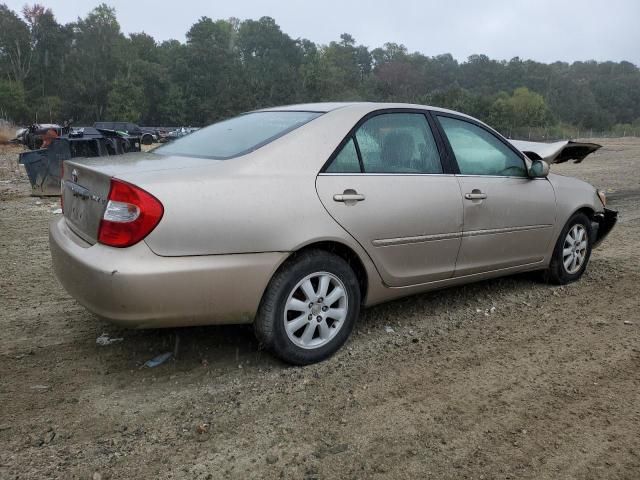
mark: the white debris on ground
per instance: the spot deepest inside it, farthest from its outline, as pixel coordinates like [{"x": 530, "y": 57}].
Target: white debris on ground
[{"x": 104, "y": 340}]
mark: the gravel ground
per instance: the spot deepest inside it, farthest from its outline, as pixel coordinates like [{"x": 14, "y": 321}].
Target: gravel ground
[{"x": 502, "y": 379}]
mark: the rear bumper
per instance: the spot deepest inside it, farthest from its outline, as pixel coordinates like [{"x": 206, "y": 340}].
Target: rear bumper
[
  {"x": 136, "y": 288},
  {"x": 604, "y": 223}
]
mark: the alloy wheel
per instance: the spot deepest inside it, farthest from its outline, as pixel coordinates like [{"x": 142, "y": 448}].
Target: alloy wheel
[
  {"x": 315, "y": 310},
  {"x": 574, "y": 250}
]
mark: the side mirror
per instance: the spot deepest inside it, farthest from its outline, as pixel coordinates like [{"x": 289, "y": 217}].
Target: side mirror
[{"x": 539, "y": 169}]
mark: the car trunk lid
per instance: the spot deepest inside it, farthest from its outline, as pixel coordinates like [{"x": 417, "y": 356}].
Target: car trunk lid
[
  {"x": 85, "y": 194},
  {"x": 86, "y": 183}
]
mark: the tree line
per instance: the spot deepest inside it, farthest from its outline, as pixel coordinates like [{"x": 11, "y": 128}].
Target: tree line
[{"x": 89, "y": 70}]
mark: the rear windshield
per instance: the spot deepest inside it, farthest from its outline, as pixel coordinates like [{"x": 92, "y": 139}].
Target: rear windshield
[{"x": 237, "y": 136}]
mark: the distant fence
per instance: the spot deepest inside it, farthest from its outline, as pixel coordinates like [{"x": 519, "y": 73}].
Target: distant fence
[{"x": 544, "y": 134}]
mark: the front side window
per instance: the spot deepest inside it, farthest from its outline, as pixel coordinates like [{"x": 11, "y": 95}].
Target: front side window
[
  {"x": 398, "y": 143},
  {"x": 237, "y": 136},
  {"x": 478, "y": 152}
]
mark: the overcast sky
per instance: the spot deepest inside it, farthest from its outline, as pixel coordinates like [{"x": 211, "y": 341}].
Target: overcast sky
[{"x": 543, "y": 30}]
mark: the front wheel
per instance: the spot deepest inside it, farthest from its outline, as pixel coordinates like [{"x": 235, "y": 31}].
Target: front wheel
[
  {"x": 572, "y": 251},
  {"x": 309, "y": 308}
]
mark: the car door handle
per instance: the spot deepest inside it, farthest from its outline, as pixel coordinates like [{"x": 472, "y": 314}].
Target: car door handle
[
  {"x": 475, "y": 195},
  {"x": 348, "y": 197}
]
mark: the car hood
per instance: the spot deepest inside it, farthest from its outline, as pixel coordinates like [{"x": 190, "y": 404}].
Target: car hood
[{"x": 556, "y": 152}]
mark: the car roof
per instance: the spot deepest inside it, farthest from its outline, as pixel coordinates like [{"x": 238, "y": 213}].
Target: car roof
[{"x": 325, "y": 107}]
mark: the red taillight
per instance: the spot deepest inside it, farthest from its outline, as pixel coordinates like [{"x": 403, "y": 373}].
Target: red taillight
[{"x": 131, "y": 215}]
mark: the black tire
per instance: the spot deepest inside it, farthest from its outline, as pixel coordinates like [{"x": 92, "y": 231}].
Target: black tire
[
  {"x": 146, "y": 139},
  {"x": 269, "y": 325},
  {"x": 557, "y": 273}
]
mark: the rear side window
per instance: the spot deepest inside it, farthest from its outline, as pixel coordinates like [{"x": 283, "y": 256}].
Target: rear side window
[
  {"x": 398, "y": 143},
  {"x": 237, "y": 136},
  {"x": 478, "y": 152},
  {"x": 346, "y": 161}
]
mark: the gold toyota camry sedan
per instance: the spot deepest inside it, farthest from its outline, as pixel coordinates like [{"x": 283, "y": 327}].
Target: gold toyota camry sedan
[{"x": 294, "y": 218}]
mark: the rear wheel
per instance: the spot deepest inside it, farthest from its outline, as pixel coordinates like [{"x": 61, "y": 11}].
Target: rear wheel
[
  {"x": 572, "y": 251},
  {"x": 309, "y": 308}
]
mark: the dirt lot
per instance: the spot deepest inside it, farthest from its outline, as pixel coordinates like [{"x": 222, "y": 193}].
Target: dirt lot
[{"x": 546, "y": 386}]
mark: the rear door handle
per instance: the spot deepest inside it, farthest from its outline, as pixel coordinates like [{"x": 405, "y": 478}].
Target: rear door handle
[
  {"x": 475, "y": 195},
  {"x": 349, "y": 196}
]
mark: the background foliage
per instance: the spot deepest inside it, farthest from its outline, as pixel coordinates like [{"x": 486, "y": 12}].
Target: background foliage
[{"x": 89, "y": 70}]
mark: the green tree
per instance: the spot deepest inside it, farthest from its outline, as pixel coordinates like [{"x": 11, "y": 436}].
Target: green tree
[
  {"x": 49, "y": 43},
  {"x": 529, "y": 108},
  {"x": 95, "y": 60},
  {"x": 521, "y": 109},
  {"x": 88, "y": 69},
  {"x": 15, "y": 46},
  {"x": 214, "y": 88},
  {"x": 342, "y": 68},
  {"x": 125, "y": 101},
  {"x": 172, "y": 108},
  {"x": 271, "y": 62},
  {"x": 12, "y": 101}
]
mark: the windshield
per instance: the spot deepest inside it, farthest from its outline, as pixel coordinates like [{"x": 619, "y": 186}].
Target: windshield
[{"x": 237, "y": 136}]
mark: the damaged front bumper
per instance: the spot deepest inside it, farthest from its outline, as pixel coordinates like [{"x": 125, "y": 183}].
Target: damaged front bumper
[{"x": 603, "y": 224}]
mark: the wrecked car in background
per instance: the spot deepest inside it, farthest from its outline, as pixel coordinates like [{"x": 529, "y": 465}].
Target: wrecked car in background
[
  {"x": 44, "y": 166},
  {"x": 179, "y": 133},
  {"x": 40, "y": 135},
  {"x": 147, "y": 135},
  {"x": 294, "y": 218}
]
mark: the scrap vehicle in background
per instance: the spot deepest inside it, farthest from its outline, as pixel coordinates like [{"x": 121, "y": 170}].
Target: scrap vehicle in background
[
  {"x": 293, "y": 218},
  {"x": 40, "y": 135},
  {"x": 179, "y": 133},
  {"x": 44, "y": 165},
  {"x": 147, "y": 135}
]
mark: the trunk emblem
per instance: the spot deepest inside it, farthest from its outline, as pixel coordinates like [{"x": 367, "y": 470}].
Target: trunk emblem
[{"x": 74, "y": 175}]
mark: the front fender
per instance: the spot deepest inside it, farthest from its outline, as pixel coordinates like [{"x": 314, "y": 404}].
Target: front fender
[{"x": 573, "y": 195}]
